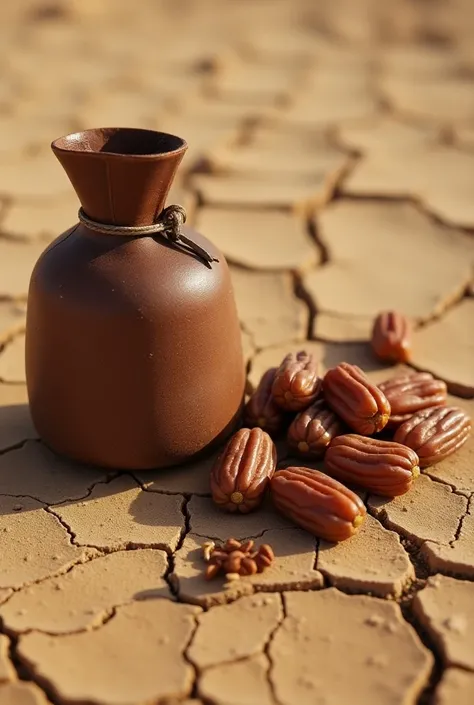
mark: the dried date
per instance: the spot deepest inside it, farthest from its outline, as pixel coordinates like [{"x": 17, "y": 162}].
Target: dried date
[
  {"x": 317, "y": 503},
  {"x": 391, "y": 337},
  {"x": 297, "y": 383},
  {"x": 435, "y": 433},
  {"x": 241, "y": 474},
  {"x": 353, "y": 397},
  {"x": 313, "y": 430},
  {"x": 411, "y": 393},
  {"x": 383, "y": 467}
]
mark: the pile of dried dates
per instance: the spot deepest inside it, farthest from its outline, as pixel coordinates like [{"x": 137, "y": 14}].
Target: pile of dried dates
[{"x": 371, "y": 437}]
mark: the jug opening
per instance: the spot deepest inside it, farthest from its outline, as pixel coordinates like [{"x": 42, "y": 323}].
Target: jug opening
[
  {"x": 121, "y": 141},
  {"x": 121, "y": 175}
]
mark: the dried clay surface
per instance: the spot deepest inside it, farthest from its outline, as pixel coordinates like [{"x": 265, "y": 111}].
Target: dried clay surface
[
  {"x": 331, "y": 159},
  {"x": 119, "y": 514},
  {"x": 444, "y": 608},
  {"x": 282, "y": 242},
  {"x": 83, "y": 597},
  {"x": 12, "y": 319},
  {"x": 16, "y": 425},
  {"x": 7, "y": 672},
  {"x": 20, "y": 693},
  {"x": 249, "y": 678},
  {"x": 457, "y": 686},
  {"x": 294, "y": 570},
  {"x": 373, "y": 561},
  {"x": 386, "y": 659},
  {"x": 34, "y": 543},
  {"x": 44, "y": 220},
  {"x": 421, "y": 266},
  {"x": 35, "y": 471},
  {"x": 268, "y": 307},
  {"x": 17, "y": 259},
  {"x": 135, "y": 657},
  {"x": 414, "y": 172},
  {"x": 457, "y": 368},
  {"x": 12, "y": 361}
]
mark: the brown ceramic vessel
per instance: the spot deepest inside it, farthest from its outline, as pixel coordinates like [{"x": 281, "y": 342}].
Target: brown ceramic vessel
[{"x": 133, "y": 352}]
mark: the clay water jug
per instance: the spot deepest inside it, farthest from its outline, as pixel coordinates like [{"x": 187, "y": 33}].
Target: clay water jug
[{"x": 133, "y": 352}]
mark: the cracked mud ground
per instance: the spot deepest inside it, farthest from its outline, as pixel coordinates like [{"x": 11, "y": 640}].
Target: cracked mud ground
[{"x": 332, "y": 159}]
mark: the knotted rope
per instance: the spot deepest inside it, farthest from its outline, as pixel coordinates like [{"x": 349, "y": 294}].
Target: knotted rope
[{"x": 169, "y": 223}]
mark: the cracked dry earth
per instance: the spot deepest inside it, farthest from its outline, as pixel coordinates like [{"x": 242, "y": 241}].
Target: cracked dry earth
[{"x": 331, "y": 158}]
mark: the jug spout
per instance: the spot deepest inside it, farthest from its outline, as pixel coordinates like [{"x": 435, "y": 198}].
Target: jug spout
[{"x": 121, "y": 175}]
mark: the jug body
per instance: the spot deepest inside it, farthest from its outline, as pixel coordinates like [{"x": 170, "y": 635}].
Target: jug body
[{"x": 133, "y": 352}]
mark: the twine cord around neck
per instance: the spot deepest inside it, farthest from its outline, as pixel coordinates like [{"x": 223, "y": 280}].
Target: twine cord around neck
[{"x": 169, "y": 223}]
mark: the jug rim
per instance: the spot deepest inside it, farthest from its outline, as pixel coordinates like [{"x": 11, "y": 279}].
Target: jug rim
[{"x": 153, "y": 144}]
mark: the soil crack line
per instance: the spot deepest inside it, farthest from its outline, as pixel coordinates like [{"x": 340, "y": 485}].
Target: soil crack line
[
  {"x": 167, "y": 493},
  {"x": 412, "y": 549},
  {"x": 104, "y": 550},
  {"x": 433, "y": 679},
  {"x": 68, "y": 500},
  {"x": 24, "y": 496},
  {"x": 27, "y": 674},
  {"x": 457, "y": 535},
  {"x": 439, "y": 480},
  {"x": 82, "y": 560},
  {"x": 303, "y": 295},
  {"x": 90, "y": 489},
  {"x": 447, "y": 305},
  {"x": 55, "y": 574},
  {"x": 318, "y": 241},
  {"x": 194, "y": 690},
  {"x": 16, "y": 446},
  {"x": 316, "y": 554},
  {"x": 267, "y": 647},
  {"x": 244, "y": 538},
  {"x": 66, "y": 527},
  {"x": 170, "y": 577}
]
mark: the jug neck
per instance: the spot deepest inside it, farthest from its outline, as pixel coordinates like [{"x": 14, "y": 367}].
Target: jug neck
[{"x": 121, "y": 175}]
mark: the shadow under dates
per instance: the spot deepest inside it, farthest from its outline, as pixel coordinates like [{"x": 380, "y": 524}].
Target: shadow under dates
[{"x": 359, "y": 354}]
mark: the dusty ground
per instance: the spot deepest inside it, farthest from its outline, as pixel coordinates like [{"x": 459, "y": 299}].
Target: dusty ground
[{"x": 332, "y": 159}]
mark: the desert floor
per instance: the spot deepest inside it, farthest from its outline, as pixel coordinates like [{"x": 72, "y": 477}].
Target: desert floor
[{"x": 332, "y": 160}]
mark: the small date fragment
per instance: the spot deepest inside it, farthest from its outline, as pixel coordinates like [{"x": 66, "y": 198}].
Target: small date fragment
[{"x": 236, "y": 559}]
